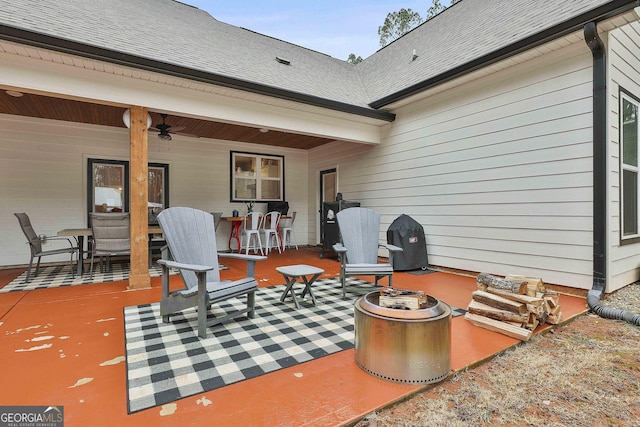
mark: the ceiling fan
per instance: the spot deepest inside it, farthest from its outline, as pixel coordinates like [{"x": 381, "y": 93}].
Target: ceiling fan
[{"x": 163, "y": 130}]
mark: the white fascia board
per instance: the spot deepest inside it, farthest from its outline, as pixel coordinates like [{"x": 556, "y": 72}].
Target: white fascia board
[{"x": 181, "y": 98}]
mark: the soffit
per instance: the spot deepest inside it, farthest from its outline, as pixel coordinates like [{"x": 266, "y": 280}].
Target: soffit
[
  {"x": 48, "y": 107},
  {"x": 109, "y": 113}
]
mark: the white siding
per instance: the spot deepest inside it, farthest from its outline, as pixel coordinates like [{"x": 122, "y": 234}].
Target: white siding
[
  {"x": 43, "y": 173},
  {"x": 326, "y": 157},
  {"x": 498, "y": 171},
  {"x": 624, "y": 72}
]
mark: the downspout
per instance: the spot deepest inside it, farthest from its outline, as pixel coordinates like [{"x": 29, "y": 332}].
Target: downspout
[{"x": 594, "y": 297}]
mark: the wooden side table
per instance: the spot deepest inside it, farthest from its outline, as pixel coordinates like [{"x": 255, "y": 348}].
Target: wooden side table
[{"x": 292, "y": 273}]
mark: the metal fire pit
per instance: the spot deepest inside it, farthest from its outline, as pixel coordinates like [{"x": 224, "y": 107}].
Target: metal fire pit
[{"x": 403, "y": 346}]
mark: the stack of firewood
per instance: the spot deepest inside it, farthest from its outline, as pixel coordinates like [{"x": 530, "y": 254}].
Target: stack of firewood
[
  {"x": 402, "y": 299},
  {"x": 513, "y": 305}
]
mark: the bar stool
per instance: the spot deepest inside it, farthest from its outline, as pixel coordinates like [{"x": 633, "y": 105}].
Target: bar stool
[
  {"x": 288, "y": 232},
  {"x": 251, "y": 232},
  {"x": 270, "y": 228}
]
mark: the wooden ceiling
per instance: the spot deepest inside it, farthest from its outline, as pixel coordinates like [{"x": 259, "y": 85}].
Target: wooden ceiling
[{"x": 46, "y": 107}]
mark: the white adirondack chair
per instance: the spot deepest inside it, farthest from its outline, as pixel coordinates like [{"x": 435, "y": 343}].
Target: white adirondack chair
[
  {"x": 358, "y": 252},
  {"x": 191, "y": 248}
]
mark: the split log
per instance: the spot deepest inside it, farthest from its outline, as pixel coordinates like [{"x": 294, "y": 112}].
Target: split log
[
  {"x": 526, "y": 299},
  {"x": 498, "y": 326},
  {"x": 552, "y": 311},
  {"x": 487, "y": 280},
  {"x": 534, "y": 284},
  {"x": 552, "y": 298},
  {"x": 554, "y": 319},
  {"x": 499, "y": 302},
  {"x": 477, "y": 307},
  {"x": 517, "y": 324},
  {"x": 402, "y": 299},
  {"x": 532, "y": 322},
  {"x": 534, "y": 304}
]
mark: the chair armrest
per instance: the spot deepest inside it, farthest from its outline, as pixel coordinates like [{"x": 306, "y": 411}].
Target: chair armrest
[
  {"x": 339, "y": 248},
  {"x": 391, "y": 248},
  {"x": 242, "y": 256},
  {"x": 54, "y": 238},
  {"x": 180, "y": 266},
  {"x": 251, "y": 260}
]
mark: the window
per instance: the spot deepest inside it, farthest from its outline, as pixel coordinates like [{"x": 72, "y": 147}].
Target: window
[
  {"x": 158, "y": 185},
  {"x": 108, "y": 187},
  {"x": 256, "y": 177},
  {"x": 629, "y": 165}
]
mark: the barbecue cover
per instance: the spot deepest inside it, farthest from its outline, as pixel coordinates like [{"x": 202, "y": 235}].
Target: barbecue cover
[{"x": 407, "y": 233}]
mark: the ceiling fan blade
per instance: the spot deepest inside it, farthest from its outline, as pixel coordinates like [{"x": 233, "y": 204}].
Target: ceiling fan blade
[{"x": 190, "y": 135}]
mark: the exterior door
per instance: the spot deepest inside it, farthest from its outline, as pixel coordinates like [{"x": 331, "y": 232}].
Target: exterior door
[{"x": 328, "y": 192}]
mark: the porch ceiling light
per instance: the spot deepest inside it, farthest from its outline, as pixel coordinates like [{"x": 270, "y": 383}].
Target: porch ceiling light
[
  {"x": 264, "y": 130},
  {"x": 126, "y": 118}
]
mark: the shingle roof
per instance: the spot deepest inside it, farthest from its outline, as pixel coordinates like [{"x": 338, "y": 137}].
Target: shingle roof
[
  {"x": 179, "y": 34},
  {"x": 173, "y": 32},
  {"x": 465, "y": 32}
]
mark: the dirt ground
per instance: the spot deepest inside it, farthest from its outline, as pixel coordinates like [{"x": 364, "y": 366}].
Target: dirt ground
[{"x": 584, "y": 373}]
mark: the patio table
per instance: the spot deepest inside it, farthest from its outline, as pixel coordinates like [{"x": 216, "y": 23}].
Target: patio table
[
  {"x": 292, "y": 273},
  {"x": 236, "y": 223},
  {"x": 80, "y": 233}
]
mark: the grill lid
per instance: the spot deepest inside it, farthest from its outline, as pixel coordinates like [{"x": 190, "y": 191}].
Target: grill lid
[{"x": 370, "y": 303}]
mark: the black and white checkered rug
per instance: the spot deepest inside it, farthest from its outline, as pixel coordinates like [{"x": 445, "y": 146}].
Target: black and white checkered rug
[
  {"x": 61, "y": 275},
  {"x": 167, "y": 362}
]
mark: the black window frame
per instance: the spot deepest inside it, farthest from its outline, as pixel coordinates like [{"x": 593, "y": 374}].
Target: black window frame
[
  {"x": 259, "y": 179},
  {"x": 626, "y": 239},
  {"x": 125, "y": 163}
]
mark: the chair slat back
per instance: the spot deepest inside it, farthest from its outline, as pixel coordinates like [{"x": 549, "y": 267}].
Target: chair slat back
[
  {"x": 271, "y": 220},
  {"x": 359, "y": 230},
  {"x": 190, "y": 235},
  {"x": 111, "y": 232},
  {"x": 253, "y": 221}
]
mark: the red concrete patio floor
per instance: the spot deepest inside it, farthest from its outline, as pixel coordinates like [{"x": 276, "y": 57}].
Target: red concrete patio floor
[{"x": 65, "y": 347}]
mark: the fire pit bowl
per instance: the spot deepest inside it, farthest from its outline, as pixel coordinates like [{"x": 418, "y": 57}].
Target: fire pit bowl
[{"x": 403, "y": 346}]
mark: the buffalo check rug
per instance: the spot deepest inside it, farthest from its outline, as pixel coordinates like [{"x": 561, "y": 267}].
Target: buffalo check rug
[
  {"x": 168, "y": 361},
  {"x": 56, "y": 276}
]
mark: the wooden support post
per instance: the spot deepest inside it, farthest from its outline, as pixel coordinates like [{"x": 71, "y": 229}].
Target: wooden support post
[{"x": 138, "y": 199}]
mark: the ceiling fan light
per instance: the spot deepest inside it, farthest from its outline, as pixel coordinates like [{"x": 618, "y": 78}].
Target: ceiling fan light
[
  {"x": 165, "y": 136},
  {"x": 14, "y": 93},
  {"x": 126, "y": 118}
]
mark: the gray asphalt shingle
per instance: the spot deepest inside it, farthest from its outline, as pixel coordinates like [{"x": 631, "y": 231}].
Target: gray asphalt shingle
[{"x": 176, "y": 33}]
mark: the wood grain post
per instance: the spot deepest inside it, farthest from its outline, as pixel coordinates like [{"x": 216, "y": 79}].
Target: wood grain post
[{"x": 138, "y": 199}]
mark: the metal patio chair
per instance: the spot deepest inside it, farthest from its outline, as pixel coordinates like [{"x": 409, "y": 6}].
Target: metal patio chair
[
  {"x": 251, "y": 232},
  {"x": 270, "y": 230},
  {"x": 110, "y": 237},
  {"x": 35, "y": 245},
  {"x": 287, "y": 231}
]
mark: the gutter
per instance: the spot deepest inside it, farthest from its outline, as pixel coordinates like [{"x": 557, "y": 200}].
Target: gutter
[
  {"x": 594, "y": 296},
  {"x": 44, "y": 41},
  {"x": 603, "y": 12}
]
